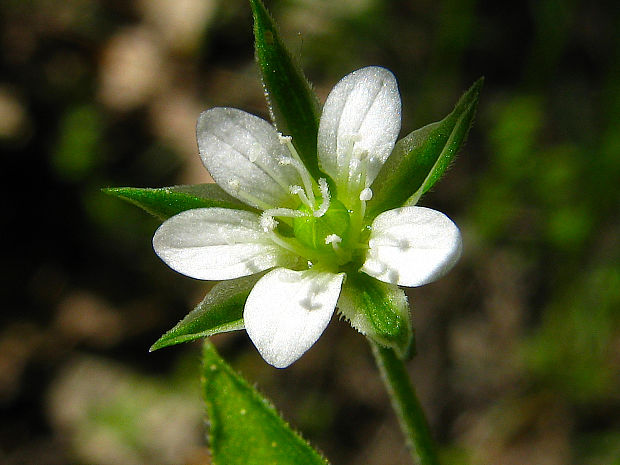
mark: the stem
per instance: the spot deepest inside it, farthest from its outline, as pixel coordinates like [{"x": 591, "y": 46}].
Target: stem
[{"x": 406, "y": 404}]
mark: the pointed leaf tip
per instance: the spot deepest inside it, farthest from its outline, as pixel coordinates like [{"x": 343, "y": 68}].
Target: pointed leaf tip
[
  {"x": 293, "y": 105},
  {"x": 166, "y": 202},
  {"x": 421, "y": 158},
  {"x": 220, "y": 311}
]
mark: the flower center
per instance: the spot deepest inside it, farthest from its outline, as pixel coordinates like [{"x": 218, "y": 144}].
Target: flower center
[
  {"x": 323, "y": 232},
  {"x": 323, "y": 227}
]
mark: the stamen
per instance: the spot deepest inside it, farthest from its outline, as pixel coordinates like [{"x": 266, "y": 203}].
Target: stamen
[
  {"x": 355, "y": 169},
  {"x": 358, "y": 170},
  {"x": 283, "y": 212},
  {"x": 333, "y": 239},
  {"x": 349, "y": 143},
  {"x": 298, "y": 190},
  {"x": 297, "y": 162},
  {"x": 268, "y": 223},
  {"x": 253, "y": 155},
  {"x": 324, "y": 188},
  {"x": 284, "y": 139},
  {"x": 366, "y": 194},
  {"x": 246, "y": 197}
]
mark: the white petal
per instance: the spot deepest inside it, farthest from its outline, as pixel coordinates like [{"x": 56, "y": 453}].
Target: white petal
[
  {"x": 242, "y": 153},
  {"x": 217, "y": 243},
  {"x": 288, "y": 310},
  {"x": 363, "y": 107},
  {"x": 412, "y": 246}
]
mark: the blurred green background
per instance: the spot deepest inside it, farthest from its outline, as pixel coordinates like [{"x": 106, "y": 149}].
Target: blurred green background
[{"x": 519, "y": 346}]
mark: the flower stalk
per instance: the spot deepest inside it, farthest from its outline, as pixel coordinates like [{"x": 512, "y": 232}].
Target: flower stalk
[{"x": 405, "y": 402}]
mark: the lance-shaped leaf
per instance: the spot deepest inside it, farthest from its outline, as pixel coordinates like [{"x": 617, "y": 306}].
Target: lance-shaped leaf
[
  {"x": 420, "y": 159},
  {"x": 244, "y": 428},
  {"x": 293, "y": 105},
  {"x": 168, "y": 201},
  {"x": 220, "y": 311},
  {"x": 378, "y": 310}
]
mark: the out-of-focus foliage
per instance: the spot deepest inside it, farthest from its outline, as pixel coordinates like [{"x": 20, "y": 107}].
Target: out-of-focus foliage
[{"x": 518, "y": 348}]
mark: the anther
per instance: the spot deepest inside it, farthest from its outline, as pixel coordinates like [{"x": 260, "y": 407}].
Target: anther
[
  {"x": 268, "y": 222},
  {"x": 253, "y": 156},
  {"x": 234, "y": 184},
  {"x": 333, "y": 239},
  {"x": 284, "y": 139},
  {"x": 298, "y": 164},
  {"x": 366, "y": 194},
  {"x": 355, "y": 137}
]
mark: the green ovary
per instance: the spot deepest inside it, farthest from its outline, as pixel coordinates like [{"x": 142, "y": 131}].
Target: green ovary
[{"x": 312, "y": 231}]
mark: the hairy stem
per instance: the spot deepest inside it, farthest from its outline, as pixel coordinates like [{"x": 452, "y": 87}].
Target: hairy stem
[{"x": 406, "y": 404}]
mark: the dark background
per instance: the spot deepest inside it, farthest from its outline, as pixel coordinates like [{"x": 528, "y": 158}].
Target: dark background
[{"x": 519, "y": 346}]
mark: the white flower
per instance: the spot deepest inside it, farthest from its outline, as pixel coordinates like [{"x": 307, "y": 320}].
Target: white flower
[{"x": 305, "y": 234}]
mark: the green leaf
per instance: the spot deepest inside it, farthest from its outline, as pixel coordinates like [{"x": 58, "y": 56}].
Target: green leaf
[
  {"x": 420, "y": 159},
  {"x": 245, "y": 428},
  {"x": 168, "y": 201},
  {"x": 220, "y": 311},
  {"x": 293, "y": 105},
  {"x": 378, "y": 310}
]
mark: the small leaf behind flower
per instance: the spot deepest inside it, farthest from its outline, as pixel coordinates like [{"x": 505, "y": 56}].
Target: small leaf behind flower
[
  {"x": 293, "y": 105},
  {"x": 420, "y": 159},
  {"x": 377, "y": 310},
  {"x": 244, "y": 428},
  {"x": 220, "y": 311},
  {"x": 168, "y": 201}
]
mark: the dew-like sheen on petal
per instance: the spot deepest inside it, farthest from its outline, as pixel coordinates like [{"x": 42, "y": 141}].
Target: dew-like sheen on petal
[
  {"x": 243, "y": 152},
  {"x": 412, "y": 246},
  {"x": 288, "y": 310},
  {"x": 217, "y": 243},
  {"x": 361, "y": 114}
]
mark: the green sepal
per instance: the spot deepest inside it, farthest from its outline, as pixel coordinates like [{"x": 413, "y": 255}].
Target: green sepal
[
  {"x": 420, "y": 159},
  {"x": 245, "y": 429},
  {"x": 293, "y": 105},
  {"x": 378, "y": 310},
  {"x": 165, "y": 202},
  {"x": 220, "y": 311}
]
